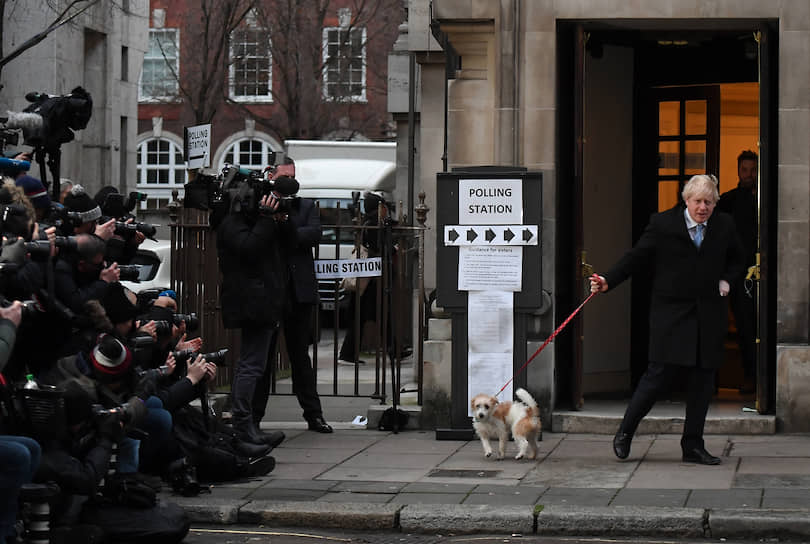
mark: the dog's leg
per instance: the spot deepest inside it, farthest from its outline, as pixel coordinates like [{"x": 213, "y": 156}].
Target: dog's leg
[
  {"x": 523, "y": 445},
  {"x": 503, "y": 437},
  {"x": 533, "y": 447},
  {"x": 485, "y": 443}
]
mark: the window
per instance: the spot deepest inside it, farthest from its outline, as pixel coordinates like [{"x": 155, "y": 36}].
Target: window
[
  {"x": 250, "y": 71},
  {"x": 161, "y": 64},
  {"x": 161, "y": 169},
  {"x": 344, "y": 56},
  {"x": 248, "y": 153}
]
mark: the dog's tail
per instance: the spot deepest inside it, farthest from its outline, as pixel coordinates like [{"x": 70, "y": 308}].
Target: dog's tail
[{"x": 528, "y": 400}]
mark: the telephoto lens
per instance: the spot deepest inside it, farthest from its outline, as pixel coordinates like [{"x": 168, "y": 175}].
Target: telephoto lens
[{"x": 192, "y": 322}]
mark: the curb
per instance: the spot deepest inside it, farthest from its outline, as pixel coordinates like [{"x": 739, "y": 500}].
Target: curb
[{"x": 789, "y": 524}]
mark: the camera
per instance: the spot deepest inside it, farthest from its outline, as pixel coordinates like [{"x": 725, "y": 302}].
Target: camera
[
  {"x": 124, "y": 413},
  {"x": 129, "y": 272},
  {"x": 29, "y": 307},
  {"x": 61, "y": 115},
  {"x": 153, "y": 373},
  {"x": 217, "y": 357},
  {"x": 182, "y": 476},
  {"x": 192, "y": 321}
]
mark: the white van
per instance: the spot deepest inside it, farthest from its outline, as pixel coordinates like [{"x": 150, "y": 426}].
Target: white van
[{"x": 329, "y": 172}]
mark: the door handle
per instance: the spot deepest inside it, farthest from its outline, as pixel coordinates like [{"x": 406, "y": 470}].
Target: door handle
[{"x": 587, "y": 269}]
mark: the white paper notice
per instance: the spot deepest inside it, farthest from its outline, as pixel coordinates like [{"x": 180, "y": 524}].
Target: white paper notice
[
  {"x": 490, "y": 340},
  {"x": 482, "y": 268}
]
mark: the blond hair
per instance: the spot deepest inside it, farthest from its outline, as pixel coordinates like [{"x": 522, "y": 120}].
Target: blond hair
[{"x": 701, "y": 185}]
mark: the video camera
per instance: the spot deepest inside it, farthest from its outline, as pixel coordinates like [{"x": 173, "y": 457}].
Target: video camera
[
  {"x": 61, "y": 115},
  {"x": 238, "y": 189}
]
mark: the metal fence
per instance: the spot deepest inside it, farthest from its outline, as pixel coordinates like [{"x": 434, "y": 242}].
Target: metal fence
[{"x": 399, "y": 302}]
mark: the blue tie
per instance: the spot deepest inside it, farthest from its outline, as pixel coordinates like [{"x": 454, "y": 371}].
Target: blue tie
[{"x": 698, "y": 234}]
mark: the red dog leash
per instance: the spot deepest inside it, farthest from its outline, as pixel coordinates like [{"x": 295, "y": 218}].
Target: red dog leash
[{"x": 549, "y": 339}]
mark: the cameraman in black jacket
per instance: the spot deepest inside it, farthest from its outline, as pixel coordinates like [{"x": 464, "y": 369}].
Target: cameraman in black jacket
[{"x": 252, "y": 294}]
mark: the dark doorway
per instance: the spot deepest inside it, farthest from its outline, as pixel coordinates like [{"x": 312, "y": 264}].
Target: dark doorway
[{"x": 682, "y": 79}]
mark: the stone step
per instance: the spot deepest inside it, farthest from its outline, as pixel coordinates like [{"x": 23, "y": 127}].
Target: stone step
[{"x": 595, "y": 423}]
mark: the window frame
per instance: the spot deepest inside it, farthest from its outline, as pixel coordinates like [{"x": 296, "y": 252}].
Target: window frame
[
  {"x": 159, "y": 190},
  {"x": 363, "y": 58},
  {"x": 162, "y": 98},
  {"x": 265, "y": 98},
  {"x": 267, "y": 147}
]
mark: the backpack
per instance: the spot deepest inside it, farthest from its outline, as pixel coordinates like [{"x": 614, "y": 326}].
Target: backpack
[{"x": 211, "y": 452}]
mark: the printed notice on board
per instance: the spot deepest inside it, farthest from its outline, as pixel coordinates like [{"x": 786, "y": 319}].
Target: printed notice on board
[
  {"x": 497, "y": 268},
  {"x": 490, "y": 341}
]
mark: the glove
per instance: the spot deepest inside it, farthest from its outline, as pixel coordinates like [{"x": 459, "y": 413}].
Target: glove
[{"x": 13, "y": 252}]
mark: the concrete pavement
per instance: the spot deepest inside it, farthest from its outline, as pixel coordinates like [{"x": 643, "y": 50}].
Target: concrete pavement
[{"x": 367, "y": 479}]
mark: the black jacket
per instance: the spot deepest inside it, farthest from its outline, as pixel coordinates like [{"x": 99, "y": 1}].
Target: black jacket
[
  {"x": 686, "y": 306},
  {"x": 298, "y": 236},
  {"x": 74, "y": 289},
  {"x": 253, "y": 275},
  {"x": 741, "y": 205}
]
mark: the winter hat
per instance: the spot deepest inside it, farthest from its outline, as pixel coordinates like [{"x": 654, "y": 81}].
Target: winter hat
[
  {"x": 159, "y": 313},
  {"x": 110, "y": 359},
  {"x": 35, "y": 191},
  {"x": 77, "y": 200},
  {"x": 117, "y": 305}
]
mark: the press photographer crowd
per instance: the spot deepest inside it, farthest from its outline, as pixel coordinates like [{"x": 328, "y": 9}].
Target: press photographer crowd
[{"x": 103, "y": 395}]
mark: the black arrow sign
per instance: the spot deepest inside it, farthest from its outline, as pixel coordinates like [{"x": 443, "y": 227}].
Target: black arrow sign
[
  {"x": 527, "y": 235},
  {"x": 453, "y": 235},
  {"x": 489, "y": 235},
  {"x": 471, "y": 235},
  {"x": 508, "y": 235}
]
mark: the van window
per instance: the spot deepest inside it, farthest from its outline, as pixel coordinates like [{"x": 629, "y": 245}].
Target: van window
[{"x": 329, "y": 218}]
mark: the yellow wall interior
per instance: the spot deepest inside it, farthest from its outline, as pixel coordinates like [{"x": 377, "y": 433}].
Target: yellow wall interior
[{"x": 739, "y": 127}]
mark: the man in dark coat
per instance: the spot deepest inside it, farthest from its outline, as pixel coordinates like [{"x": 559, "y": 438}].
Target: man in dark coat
[
  {"x": 252, "y": 294},
  {"x": 298, "y": 235},
  {"x": 741, "y": 204},
  {"x": 693, "y": 261}
]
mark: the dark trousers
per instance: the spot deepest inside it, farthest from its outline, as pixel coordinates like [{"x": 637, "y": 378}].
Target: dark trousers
[
  {"x": 744, "y": 309},
  {"x": 252, "y": 362},
  {"x": 658, "y": 378},
  {"x": 298, "y": 336}
]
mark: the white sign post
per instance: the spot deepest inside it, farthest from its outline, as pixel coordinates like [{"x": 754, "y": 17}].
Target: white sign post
[{"x": 197, "y": 146}]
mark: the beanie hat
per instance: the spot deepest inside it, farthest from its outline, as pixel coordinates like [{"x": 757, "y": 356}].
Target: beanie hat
[
  {"x": 117, "y": 305},
  {"x": 35, "y": 191},
  {"x": 110, "y": 359},
  {"x": 77, "y": 200}
]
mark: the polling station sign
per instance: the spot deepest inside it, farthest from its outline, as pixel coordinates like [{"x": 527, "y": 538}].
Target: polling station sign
[
  {"x": 197, "y": 146},
  {"x": 335, "y": 269},
  {"x": 490, "y": 202}
]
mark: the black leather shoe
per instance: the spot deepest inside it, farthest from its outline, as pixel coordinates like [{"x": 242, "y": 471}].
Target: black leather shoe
[
  {"x": 248, "y": 432},
  {"x": 621, "y": 444},
  {"x": 251, "y": 450},
  {"x": 701, "y": 457},
  {"x": 319, "y": 425}
]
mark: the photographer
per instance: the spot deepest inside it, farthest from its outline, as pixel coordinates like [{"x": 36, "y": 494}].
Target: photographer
[
  {"x": 83, "y": 275},
  {"x": 251, "y": 295},
  {"x": 84, "y": 215},
  {"x": 298, "y": 233},
  {"x": 19, "y": 455},
  {"x": 120, "y": 248}
]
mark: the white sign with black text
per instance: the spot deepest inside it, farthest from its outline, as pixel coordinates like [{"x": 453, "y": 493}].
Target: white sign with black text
[
  {"x": 497, "y": 268},
  {"x": 335, "y": 269},
  {"x": 490, "y": 202},
  {"x": 197, "y": 146}
]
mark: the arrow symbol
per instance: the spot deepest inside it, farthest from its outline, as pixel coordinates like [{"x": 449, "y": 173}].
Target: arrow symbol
[
  {"x": 527, "y": 235},
  {"x": 489, "y": 235},
  {"x": 471, "y": 235},
  {"x": 453, "y": 235},
  {"x": 508, "y": 235}
]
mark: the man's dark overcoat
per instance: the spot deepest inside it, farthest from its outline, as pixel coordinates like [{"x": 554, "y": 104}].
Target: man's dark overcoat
[{"x": 686, "y": 306}]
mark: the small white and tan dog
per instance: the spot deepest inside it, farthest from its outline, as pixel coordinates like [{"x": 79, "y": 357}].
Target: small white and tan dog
[{"x": 496, "y": 419}]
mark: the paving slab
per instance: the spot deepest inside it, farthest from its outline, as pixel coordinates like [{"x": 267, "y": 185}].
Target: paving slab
[
  {"x": 418, "y": 442},
  {"x": 437, "y": 487},
  {"x": 346, "y": 496},
  {"x": 578, "y": 497},
  {"x": 724, "y": 498},
  {"x": 352, "y": 440},
  {"x": 599, "y": 448},
  {"x": 501, "y": 499},
  {"x": 397, "y": 461},
  {"x": 297, "y": 471},
  {"x": 314, "y": 485},
  {"x": 360, "y": 516},
  {"x": 511, "y": 490},
  {"x": 651, "y": 497},
  {"x": 785, "y": 498},
  {"x": 378, "y": 474},
  {"x": 428, "y": 498},
  {"x": 314, "y": 455},
  {"x": 772, "y": 481},
  {"x": 678, "y": 475},
  {"x": 785, "y": 446},
  {"x": 621, "y": 521},
  {"x": 774, "y": 465},
  {"x": 369, "y": 487},
  {"x": 285, "y": 494},
  {"x": 466, "y": 519},
  {"x": 580, "y": 472}
]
